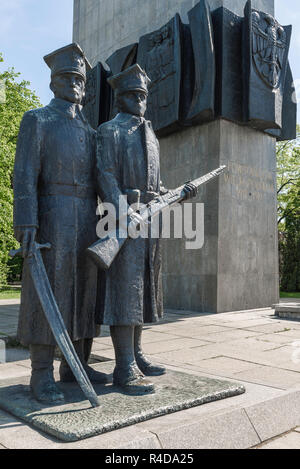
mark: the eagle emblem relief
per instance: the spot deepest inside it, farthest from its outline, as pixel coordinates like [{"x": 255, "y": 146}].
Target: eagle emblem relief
[{"x": 269, "y": 42}]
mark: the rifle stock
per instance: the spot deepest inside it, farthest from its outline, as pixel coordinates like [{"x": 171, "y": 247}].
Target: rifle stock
[{"x": 104, "y": 251}]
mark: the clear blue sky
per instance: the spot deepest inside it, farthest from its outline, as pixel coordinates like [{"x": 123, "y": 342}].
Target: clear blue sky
[{"x": 32, "y": 28}]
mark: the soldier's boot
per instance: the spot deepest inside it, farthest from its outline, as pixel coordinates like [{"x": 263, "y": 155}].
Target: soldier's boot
[
  {"x": 126, "y": 374},
  {"x": 83, "y": 349},
  {"x": 146, "y": 367},
  {"x": 42, "y": 384}
]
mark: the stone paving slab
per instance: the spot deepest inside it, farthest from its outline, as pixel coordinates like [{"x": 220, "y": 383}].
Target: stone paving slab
[
  {"x": 288, "y": 441},
  {"x": 76, "y": 420},
  {"x": 216, "y": 425},
  {"x": 253, "y": 347},
  {"x": 228, "y": 430},
  {"x": 275, "y": 417},
  {"x": 283, "y": 379}
]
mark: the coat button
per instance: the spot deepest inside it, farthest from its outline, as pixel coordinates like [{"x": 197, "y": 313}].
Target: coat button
[{"x": 81, "y": 139}]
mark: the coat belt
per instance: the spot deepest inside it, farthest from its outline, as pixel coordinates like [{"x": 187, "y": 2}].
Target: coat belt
[{"x": 84, "y": 192}]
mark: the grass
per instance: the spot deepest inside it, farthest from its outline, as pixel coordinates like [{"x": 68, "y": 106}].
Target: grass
[
  {"x": 10, "y": 293},
  {"x": 289, "y": 294}
]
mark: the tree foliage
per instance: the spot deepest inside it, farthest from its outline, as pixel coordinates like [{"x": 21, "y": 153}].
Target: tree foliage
[
  {"x": 288, "y": 181},
  {"x": 15, "y": 99}
]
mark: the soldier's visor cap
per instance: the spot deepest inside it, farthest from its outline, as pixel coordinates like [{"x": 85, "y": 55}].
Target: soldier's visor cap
[
  {"x": 133, "y": 78},
  {"x": 68, "y": 59}
]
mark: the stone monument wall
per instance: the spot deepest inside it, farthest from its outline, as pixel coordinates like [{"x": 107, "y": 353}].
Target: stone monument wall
[
  {"x": 237, "y": 268},
  {"x": 103, "y": 26}
]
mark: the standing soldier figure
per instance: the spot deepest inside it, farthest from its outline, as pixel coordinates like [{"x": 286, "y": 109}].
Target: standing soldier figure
[
  {"x": 55, "y": 202},
  {"x": 128, "y": 163}
]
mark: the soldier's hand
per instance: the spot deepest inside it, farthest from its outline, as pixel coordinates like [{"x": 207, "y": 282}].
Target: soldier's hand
[
  {"x": 136, "y": 225},
  {"x": 190, "y": 190},
  {"x": 27, "y": 241}
]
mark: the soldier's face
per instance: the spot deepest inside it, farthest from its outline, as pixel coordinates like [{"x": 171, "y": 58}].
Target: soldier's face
[
  {"x": 68, "y": 86},
  {"x": 133, "y": 102}
]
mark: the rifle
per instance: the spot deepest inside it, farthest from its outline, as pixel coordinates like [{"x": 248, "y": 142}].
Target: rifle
[{"x": 104, "y": 251}]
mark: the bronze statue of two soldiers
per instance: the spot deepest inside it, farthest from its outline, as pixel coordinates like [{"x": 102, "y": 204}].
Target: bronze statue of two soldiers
[{"x": 62, "y": 165}]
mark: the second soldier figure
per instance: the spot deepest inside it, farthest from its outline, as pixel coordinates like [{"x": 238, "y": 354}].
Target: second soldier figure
[{"x": 128, "y": 163}]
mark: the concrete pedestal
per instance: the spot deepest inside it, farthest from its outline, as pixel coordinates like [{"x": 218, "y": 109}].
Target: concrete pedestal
[{"x": 237, "y": 268}]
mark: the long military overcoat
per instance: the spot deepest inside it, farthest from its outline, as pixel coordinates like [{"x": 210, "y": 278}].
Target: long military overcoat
[
  {"x": 128, "y": 158},
  {"x": 54, "y": 191}
]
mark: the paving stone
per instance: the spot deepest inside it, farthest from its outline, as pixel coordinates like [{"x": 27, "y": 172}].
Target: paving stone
[
  {"x": 272, "y": 418},
  {"x": 289, "y": 441},
  {"x": 275, "y": 339},
  {"x": 191, "y": 329},
  {"x": 289, "y": 324},
  {"x": 15, "y": 434},
  {"x": 283, "y": 354},
  {"x": 264, "y": 358},
  {"x": 124, "y": 438},
  {"x": 269, "y": 328},
  {"x": 270, "y": 376},
  {"x": 225, "y": 431},
  {"x": 99, "y": 346},
  {"x": 169, "y": 345},
  {"x": 248, "y": 324},
  {"x": 10, "y": 370},
  {"x": 150, "y": 336},
  {"x": 27, "y": 363},
  {"x": 225, "y": 336},
  {"x": 189, "y": 355},
  {"x": 251, "y": 344},
  {"x": 226, "y": 365},
  {"x": 291, "y": 334},
  {"x": 104, "y": 353}
]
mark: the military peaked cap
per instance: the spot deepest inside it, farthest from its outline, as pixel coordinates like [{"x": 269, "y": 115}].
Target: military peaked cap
[
  {"x": 68, "y": 59},
  {"x": 132, "y": 79}
]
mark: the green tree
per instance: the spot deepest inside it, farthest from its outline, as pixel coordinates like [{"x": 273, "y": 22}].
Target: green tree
[
  {"x": 288, "y": 178},
  {"x": 15, "y": 99},
  {"x": 288, "y": 181}
]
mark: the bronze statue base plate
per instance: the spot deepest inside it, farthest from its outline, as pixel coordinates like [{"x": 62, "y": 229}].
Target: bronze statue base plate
[{"x": 75, "y": 419}]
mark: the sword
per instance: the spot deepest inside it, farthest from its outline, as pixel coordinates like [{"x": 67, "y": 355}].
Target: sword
[{"x": 44, "y": 291}]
